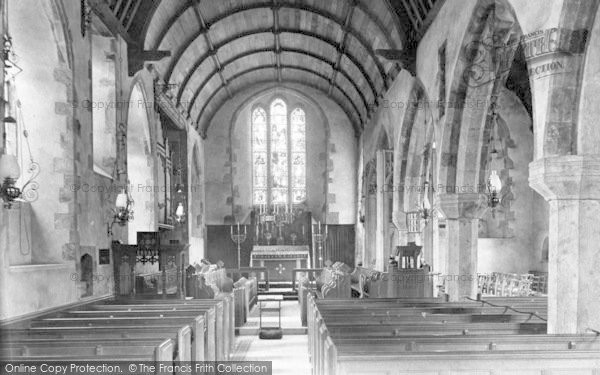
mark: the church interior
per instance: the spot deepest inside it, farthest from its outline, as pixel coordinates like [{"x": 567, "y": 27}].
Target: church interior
[{"x": 339, "y": 187}]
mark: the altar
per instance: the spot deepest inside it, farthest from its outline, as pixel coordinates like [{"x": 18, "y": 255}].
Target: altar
[{"x": 280, "y": 260}]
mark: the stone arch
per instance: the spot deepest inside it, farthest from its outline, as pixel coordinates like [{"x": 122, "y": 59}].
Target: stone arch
[
  {"x": 588, "y": 136},
  {"x": 140, "y": 164},
  {"x": 413, "y": 108},
  {"x": 418, "y": 166},
  {"x": 491, "y": 40},
  {"x": 197, "y": 193},
  {"x": 59, "y": 21}
]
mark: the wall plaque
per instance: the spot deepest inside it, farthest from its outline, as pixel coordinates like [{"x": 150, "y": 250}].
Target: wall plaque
[{"x": 103, "y": 256}]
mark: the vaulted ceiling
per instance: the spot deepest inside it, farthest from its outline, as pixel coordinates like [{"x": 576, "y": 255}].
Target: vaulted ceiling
[{"x": 208, "y": 50}]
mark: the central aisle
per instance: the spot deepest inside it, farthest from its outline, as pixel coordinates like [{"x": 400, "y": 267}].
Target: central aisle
[{"x": 289, "y": 355}]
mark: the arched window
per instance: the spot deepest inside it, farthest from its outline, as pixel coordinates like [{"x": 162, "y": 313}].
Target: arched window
[{"x": 279, "y": 154}]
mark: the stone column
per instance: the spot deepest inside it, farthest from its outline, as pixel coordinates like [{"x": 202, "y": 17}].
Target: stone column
[
  {"x": 462, "y": 213},
  {"x": 571, "y": 185},
  {"x": 380, "y": 260}
]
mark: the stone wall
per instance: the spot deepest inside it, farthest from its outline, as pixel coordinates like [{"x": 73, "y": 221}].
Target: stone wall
[
  {"x": 68, "y": 214},
  {"x": 331, "y": 155}
]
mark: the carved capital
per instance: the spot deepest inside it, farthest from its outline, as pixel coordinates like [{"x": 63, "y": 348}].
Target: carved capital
[
  {"x": 462, "y": 206},
  {"x": 572, "y": 177}
]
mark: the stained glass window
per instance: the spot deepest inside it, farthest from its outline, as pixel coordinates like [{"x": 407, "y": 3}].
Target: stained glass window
[
  {"x": 259, "y": 155},
  {"x": 298, "y": 149},
  {"x": 279, "y": 154}
]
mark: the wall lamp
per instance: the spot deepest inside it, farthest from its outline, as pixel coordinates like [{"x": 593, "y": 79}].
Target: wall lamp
[
  {"x": 425, "y": 208},
  {"x": 9, "y": 174},
  {"x": 123, "y": 211},
  {"x": 179, "y": 214},
  {"x": 494, "y": 185}
]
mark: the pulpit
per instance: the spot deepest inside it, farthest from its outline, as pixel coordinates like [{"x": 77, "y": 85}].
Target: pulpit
[
  {"x": 407, "y": 278},
  {"x": 280, "y": 260}
]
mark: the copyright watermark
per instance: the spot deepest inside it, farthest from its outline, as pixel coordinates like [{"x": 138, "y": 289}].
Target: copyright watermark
[{"x": 132, "y": 188}]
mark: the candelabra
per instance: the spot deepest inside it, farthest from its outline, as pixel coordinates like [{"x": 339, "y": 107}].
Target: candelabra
[
  {"x": 319, "y": 238},
  {"x": 272, "y": 219},
  {"x": 238, "y": 237}
]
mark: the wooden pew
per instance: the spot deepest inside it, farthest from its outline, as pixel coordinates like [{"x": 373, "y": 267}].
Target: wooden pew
[
  {"x": 216, "y": 278},
  {"x": 200, "y": 330},
  {"x": 158, "y": 350},
  {"x": 469, "y": 343},
  {"x": 245, "y": 293},
  {"x": 331, "y": 283},
  {"x": 398, "y": 327},
  {"x": 210, "y": 344},
  {"x": 341, "y": 362},
  {"x": 367, "y": 346},
  {"x": 116, "y": 328},
  {"x": 390, "y": 324},
  {"x": 184, "y": 331},
  {"x": 225, "y": 332}
]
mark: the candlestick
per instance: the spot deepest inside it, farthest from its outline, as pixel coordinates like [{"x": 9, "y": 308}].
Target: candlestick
[{"x": 238, "y": 238}]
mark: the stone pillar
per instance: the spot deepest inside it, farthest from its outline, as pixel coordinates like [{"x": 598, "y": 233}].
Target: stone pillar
[
  {"x": 462, "y": 213},
  {"x": 571, "y": 185},
  {"x": 380, "y": 260}
]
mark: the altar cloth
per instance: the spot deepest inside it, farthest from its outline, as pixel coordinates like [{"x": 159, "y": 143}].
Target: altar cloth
[{"x": 280, "y": 260}]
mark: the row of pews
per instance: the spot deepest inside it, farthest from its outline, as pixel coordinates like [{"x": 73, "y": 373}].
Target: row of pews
[
  {"x": 207, "y": 281},
  {"x": 329, "y": 282},
  {"x": 427, "y": 336},
  {"x": 128, "y": 329}
]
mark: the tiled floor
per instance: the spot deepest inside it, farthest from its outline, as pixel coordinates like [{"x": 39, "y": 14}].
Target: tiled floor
[
  {"x": 290, "y": 315},
  {"x": 289, "y": 355},
  {"x": 290, "y": 319}
]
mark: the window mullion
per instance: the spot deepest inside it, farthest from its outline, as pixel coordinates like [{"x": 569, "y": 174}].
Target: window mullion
[
  {"x": 289, "y": 144},
  {"x": 269, "y": 176}
]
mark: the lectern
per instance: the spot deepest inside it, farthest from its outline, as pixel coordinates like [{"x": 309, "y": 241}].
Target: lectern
[{"x": 409, "y": 279}]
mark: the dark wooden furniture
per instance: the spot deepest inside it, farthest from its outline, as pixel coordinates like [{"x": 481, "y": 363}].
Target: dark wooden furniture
[{"x": 172, "y": 262}]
